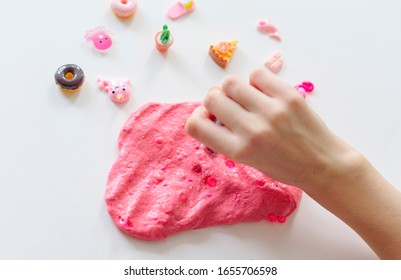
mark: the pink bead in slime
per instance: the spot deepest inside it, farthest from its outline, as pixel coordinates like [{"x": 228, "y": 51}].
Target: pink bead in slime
[
  {"x": 281, "y": 219},
  {"x": 210, "y": 181},
  {"x": 230, "y": 163},
  {"x": 272, "y": 218}
]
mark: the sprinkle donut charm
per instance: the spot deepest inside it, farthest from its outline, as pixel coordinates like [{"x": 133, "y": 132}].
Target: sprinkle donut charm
[
  {"x": 69, "y": 77},
  {"x": 124, "y": 8}
]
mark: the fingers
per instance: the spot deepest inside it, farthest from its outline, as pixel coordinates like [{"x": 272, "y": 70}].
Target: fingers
[
  {"x": 271, "y": 85},
  {"x": 201, "y": 127},
  {"x": 244, "y": 94},
  {"x": 229, "y": 112}
]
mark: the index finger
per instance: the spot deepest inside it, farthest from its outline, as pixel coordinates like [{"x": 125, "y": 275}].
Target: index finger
[
  {"x": 271, "y": 85},
  {"x": 201, "y": 127}
]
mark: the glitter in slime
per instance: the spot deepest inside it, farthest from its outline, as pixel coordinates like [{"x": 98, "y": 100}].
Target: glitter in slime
[
  {"x": 100, "y": 38},
  {"x": 124, "y": 8},
  {"x": 163, "y": 182},
  {"x": 179, "y": 9},
  {"x": 119, "y": 90}
]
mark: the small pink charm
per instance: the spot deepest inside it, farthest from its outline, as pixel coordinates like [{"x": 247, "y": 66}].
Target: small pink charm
[
  {"x": 264, "y": 26},
  {"x": 181, "y": 8},
  {"x": 275, "y": 36},
  {"x": 304, "y": 88},
  {"x": 275, "y": 62},
  {"x": 119, "y": 91},
  {"x": 308, "y": 86},
  {"x": 100, "y": 38}
]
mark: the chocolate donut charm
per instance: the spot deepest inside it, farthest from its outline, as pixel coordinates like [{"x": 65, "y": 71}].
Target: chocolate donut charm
[{"x": 69, "y": 77}]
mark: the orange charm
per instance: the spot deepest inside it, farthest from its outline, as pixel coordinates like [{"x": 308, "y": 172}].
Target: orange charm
[{"x": 223, "y": 47}]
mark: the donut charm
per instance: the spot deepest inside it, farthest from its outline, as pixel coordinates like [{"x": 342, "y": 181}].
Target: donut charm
[
  {"x": 124, "y": 8},
  {"x": 69, "y": 77}
]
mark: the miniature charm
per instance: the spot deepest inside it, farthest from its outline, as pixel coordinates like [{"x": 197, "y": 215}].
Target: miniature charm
[
  {"x": 100, "y": 38},
  {"x": 275, "y": 62},
  {"x": 222, "y": 53},
  {"x": 124, "y": 8},
  {"x": 179, "y": 9},
  {"x": 69, "y": 77},
  {"x": 119, "y": 91},
  {"x": 304, "y": 88},
  {"x": 264, "y": 26},
  {"x": 164, "y": 39}
]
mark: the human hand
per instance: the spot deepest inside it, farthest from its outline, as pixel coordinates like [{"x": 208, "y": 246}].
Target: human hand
[{"x": 268, "y": 125}]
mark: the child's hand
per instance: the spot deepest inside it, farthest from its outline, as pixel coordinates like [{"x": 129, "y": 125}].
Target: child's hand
[{"x": 268, "y": 125}]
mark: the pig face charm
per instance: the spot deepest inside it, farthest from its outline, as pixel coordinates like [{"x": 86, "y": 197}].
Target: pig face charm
[{"x": 119, "y": 90}]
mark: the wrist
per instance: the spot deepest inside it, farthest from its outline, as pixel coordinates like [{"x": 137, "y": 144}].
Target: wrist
[{"x": 337, "y": 170}]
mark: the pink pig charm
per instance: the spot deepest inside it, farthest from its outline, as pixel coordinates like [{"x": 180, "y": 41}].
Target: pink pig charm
[
  {"x": 119, "y": 91},
  {"x": 100, "y": 38}
]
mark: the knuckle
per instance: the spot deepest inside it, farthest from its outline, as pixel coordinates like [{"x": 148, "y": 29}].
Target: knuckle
[
  {"x": 279, "y": 117},
  {"x": 230, "y": 83},
  {"x": 191, "y": 126},
  {"x": 258, "y": 134},
  {"x": 257, "y": 74},
  {"x": 294, "y": 101},
  {"x": 192, "y": 123},
  {"x": 210, "y": 99}
]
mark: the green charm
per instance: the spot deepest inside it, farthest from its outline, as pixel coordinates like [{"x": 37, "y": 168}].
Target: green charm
[{"x": 165, "y": 36}]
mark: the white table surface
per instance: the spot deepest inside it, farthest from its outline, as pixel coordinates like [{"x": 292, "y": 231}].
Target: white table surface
[{"x": 56, "y": 150}]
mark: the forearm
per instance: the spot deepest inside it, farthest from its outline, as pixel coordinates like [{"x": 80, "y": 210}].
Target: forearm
[{"x": 364, "y": 200}]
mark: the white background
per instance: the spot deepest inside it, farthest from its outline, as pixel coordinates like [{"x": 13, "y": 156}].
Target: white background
[{"x": 56, "y": 149}]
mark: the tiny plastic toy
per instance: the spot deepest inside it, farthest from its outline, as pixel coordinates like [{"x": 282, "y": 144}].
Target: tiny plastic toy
[
  {"x": 69, "y": 77},
  {"x": 304, "y": 88},
  {"x": 124, "y": 8},
  {"x": 118, "y": 90},
  {"x": 164, "y": 39},
  {"x": 222, "y": 53},
  {"x": 100, "y": 38},
  {"x": 275, "y": 62},
  {"x": 179, "y": 9},
  {"x": 264, "y": 26}
]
